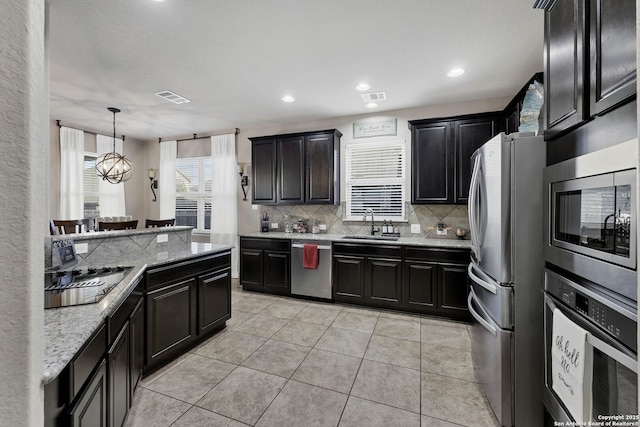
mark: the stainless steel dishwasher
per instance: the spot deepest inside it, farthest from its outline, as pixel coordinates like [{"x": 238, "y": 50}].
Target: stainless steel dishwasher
[{"x": 306, "y": 282}]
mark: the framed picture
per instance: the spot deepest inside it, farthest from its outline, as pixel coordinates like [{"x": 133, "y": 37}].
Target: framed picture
[{"x": 379, "y": 127}]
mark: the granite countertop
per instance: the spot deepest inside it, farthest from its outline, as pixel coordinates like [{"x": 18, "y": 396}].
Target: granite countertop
[
  {"x": 111, "y": 233},
  {"x": 406, "y": 241},
  {"x": 66, "y": 329}
]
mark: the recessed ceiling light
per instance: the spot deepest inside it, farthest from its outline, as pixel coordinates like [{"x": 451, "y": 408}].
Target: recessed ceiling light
[
  {"x": 288, "y": 98},
  {"x": 362, "y": 87},
  {"x": 371, "y": 105},
  {"x": 456, "y": 72}
]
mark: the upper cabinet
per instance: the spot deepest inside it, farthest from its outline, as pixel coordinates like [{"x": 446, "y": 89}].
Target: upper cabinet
[
  {"x": 441, "y": 152},
  {"x": 590, "y": 61},
  {"x": 301, "y": 168}
]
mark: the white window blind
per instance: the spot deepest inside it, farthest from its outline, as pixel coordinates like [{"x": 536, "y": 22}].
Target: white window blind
[
  {"x": 90, "y": 185},
  {"x": 376, "y": 179},
  {"x": 193, "y": 192}
]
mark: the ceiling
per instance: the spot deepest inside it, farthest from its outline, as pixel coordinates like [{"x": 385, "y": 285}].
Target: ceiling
[{"x": 236, "y": 59}]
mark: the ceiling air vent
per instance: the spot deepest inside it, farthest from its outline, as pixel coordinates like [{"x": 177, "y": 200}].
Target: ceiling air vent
[
  {"x": 374, "y": 96},
  {"x": 173, "y": 97}
]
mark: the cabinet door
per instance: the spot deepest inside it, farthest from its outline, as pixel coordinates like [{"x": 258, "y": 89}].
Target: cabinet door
[
  {"x": 91, "y": 408},
  {"x": 319, "y": 176},
  {"x": 470, "y": 134},
  {"x": 277, "y": 272},
  {"x": 119, "y": 378},
  {"x": 613, "y": 53},
  {"x": 453, "y": 289},
  {"x": 512, "y": 120},
  {"x": 420, "y": 279},
  {"x": 136, "y": 346},
  {"x": 431, "y": 164},
  {"x": 214, "y": 300},
  {"x": 251, "y": 268},
  {"x": 171, "y": 320},
  {"x": 383, "y": 282},
  {"x": 348, "y": 278},
  {"x": 291, "y": 169},
  {"x": 564, "y": 66},
  {"x": 263, "y": 171}
]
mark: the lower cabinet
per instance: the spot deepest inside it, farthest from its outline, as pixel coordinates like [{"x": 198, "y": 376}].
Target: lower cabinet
[
  {"x": 119, "y": 357},
  {"x": 91, "y": 406},
  {"x": 367, "y": 274},
  {"x": 436, "y": 282},
  {"x": 136, "y": 347},
  {"x": 214, "y": 299},
  {"x": 265, "y": 265}
]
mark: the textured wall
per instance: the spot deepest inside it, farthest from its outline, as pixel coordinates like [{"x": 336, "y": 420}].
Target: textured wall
[{"x": 23, "y": 200}]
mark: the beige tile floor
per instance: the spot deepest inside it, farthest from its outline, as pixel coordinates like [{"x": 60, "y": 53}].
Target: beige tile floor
[{"x": 288, "y": 362}]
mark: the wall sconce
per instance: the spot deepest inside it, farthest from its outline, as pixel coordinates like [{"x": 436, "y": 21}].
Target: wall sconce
[
  {"x": 244, "y": 179},
  {"x": 154, "y": 182}
]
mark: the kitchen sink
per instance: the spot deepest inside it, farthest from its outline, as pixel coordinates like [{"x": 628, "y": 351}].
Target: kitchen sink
[{"x": 362, "y": 237}]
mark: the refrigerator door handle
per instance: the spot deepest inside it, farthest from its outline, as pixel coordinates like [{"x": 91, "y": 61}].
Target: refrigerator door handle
[
  {"x": 473, "y": 208},
  {"x": 488, "y": 326},
  {"x": 485, "y": 284}
]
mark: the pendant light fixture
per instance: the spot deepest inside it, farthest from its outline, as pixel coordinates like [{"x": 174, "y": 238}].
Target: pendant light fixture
[{"x": 113, "y": 167}]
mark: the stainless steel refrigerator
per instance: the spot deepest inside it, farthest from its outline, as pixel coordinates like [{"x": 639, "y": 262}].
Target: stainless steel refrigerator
[{"x": 506, "y": 272}]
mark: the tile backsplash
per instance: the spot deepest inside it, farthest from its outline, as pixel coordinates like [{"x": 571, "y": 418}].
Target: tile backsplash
[{"x": 427, "y": 216}]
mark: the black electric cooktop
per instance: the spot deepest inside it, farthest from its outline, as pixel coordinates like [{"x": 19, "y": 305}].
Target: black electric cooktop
[{"x": 86, "y": 285}]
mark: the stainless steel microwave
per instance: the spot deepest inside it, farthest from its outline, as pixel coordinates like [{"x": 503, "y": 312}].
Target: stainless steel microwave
[{"x": 591, "y": 218}]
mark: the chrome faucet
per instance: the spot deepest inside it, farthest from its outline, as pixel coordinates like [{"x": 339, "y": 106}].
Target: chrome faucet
[{"x": 374, "y": 229}]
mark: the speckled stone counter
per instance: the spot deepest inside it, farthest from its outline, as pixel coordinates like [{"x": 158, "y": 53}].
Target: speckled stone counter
[
  {"x": 404, "y": 241},
  {"x": 66, "y": 329}
]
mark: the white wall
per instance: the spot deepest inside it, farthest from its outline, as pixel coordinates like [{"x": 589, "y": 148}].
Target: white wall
[{"x": 24, "y": 100}]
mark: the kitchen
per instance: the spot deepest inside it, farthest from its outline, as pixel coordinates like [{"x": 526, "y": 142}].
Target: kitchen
[{"x": 142, "y": 194}]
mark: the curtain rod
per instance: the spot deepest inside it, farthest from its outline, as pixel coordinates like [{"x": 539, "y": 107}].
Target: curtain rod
[{"x": 195, "y": 136}]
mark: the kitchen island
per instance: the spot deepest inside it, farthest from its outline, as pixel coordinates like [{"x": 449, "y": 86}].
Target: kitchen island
[{"x": 95, "y": 353}]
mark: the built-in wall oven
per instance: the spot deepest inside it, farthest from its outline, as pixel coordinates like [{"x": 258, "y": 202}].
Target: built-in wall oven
[{"x": 611, "y": 367}]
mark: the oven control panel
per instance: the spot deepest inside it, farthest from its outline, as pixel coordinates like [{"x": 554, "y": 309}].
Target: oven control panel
[{"x": 616, "y": 318}]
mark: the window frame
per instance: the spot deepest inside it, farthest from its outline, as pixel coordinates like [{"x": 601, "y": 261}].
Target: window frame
[
  {"x": 382, "y": 181},
  {"x": 93, "y": 156},
  {"x": 201, "y": 195}
]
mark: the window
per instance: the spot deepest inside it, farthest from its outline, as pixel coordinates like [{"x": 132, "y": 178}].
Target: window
[
  {"x": 193, "y": 192},
  {"x": 376, "y": 179},
  {"x": 90, "y": 186}
]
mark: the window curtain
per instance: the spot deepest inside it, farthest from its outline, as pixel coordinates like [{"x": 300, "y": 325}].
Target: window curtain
[
  {"x": 71, "y": 173},
  {"x": 224, "y": 201},
  {"x": 110, "y": 196},
  {"x": 167, "y": 179}
]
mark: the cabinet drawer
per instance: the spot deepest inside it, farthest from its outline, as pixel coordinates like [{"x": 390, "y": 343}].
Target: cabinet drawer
[
  {"x": 368, "y": 250},
  {"x": 87, "y": 360},
  {"x": 458, "y": 256},
  {"x": 265, "y": 243},
  {"x": 116, "y": 321},
  {"x": 170, "y": 273}
]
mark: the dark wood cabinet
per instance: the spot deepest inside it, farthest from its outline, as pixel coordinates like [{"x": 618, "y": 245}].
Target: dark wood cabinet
[
  {"x": 119, "y": 378},
  {"x": 171, "y": 320},
  {"x": 367, "y": 274},
  {"x": 348, "y": 278},
  {"x": 136, "y": 347},
  {"x": 214, "y": 299},
  {"x": 512, "y": 112},
  {"x": 436, "y": 282},
  {"x": 512, "y": 118},
  {"x": 441, "y": 152},
  {"x": 91, "y": 406},
  {"x": 301, "y": 168},
  {"x": 612, "y": 47},
  {"x": 265, "y": 265},
  {"x": 590, "y": 71},
  {"x": 564, "y": 66}
]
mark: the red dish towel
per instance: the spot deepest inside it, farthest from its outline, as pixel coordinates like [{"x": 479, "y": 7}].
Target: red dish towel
[{"x": 310, "y": 257}]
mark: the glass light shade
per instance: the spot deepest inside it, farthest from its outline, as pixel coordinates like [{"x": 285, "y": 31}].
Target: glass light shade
[{"x": 113, "y": 167}]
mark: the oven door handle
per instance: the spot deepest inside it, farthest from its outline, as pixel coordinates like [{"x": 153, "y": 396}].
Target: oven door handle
[
  {"x": 301, "y": 246},
  {"x": 607, "y": 349},
  {"x": 488, "y": 326}
]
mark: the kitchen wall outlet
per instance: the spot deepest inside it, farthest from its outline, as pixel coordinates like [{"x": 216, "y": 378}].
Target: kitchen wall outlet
[
  {"x": 415, "y": 228},
  {"x": 162, "y": 238},
  {"x": 81, "y": 248},
  {"x": 441, "y": 231},
  {"x": 254, "y": 207},
  {"x": 274, "y": 225},
  {"x": 323, "y": 227}
]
